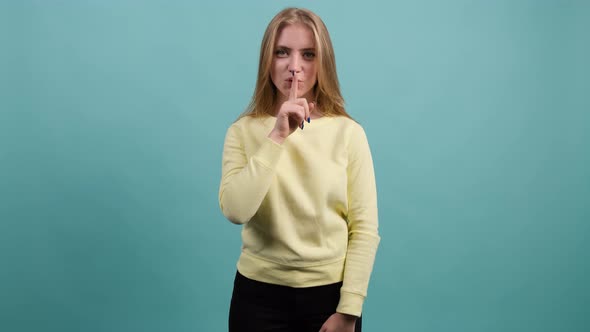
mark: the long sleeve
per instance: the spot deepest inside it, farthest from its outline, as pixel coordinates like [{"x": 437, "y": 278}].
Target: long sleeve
[
  {"x": 363, "y": 237},
  {"x": 245, "y": 181}
]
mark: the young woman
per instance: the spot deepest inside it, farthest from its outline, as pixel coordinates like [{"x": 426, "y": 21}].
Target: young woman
[{"x": 297, "y": 173}]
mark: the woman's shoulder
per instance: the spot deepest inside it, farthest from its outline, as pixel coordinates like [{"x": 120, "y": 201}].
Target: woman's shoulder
[
  {"x": 249, "y": 120},
  {"x": 345, "y": 124},
  {"x": 248, "y": 123}
]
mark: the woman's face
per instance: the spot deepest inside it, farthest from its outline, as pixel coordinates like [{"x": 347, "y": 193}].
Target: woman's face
[{"x": 294, "y": 50}]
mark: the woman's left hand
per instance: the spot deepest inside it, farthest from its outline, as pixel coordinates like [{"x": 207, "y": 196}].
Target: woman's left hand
[{"x": 339, "y": 323}]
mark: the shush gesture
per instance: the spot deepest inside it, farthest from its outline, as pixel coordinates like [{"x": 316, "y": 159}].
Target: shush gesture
[
  {"x": 283, "y": 178},
  {"x": 292, "y": 114}
]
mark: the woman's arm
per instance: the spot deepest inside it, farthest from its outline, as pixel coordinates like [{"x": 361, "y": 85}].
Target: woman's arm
[
  {"x": 363, "y": 237},
  {"x": 245, "y": 181}
]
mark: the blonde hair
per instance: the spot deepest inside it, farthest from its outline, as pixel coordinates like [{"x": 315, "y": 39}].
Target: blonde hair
[{"x": 326, "y": 91}]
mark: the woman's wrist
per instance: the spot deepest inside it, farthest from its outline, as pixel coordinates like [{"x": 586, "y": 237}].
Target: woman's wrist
[
  {"x": 276, "y": 137},
  {"x": 348, "y": 317}
]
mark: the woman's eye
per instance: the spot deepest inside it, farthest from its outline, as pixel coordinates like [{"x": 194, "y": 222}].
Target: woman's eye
[
  {"x": 281, "y": 53},
  {"x": 308, "y": 55}
]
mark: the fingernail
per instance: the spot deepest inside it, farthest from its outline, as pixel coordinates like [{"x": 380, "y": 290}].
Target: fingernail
[
  {"x": 308, "y": 119},
  {"x": 302, "y": 122}
]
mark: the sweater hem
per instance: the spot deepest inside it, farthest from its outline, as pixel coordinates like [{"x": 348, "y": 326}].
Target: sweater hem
[{"x": 310, "y": 275}]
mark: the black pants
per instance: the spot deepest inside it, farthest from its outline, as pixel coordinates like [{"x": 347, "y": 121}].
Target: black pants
[{"x": 261, "y": 307}]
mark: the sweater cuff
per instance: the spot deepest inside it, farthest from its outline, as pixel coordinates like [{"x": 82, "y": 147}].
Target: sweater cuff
[
  {"x": 350, "y": 303},
  {"x": 269, "y": 153}
]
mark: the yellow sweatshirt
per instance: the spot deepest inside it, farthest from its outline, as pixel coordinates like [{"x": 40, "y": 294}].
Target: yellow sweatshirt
[{"x": 308, "y": 207}]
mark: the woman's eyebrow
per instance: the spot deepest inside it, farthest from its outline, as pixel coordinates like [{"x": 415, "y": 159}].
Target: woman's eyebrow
[{"x": 289, "y": 49}]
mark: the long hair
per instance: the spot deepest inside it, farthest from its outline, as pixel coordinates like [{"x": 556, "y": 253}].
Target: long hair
[{"x": 326, "y": 91}]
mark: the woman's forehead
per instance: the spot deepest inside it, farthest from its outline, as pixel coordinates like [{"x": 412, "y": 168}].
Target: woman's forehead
[{"x": 297, "y": 34}]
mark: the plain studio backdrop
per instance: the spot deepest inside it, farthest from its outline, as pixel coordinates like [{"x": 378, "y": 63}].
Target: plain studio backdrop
[{"x": 112, "y": 120}]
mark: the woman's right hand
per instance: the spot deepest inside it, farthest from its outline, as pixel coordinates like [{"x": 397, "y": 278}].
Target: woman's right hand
[{"x": 291, "y": 115}]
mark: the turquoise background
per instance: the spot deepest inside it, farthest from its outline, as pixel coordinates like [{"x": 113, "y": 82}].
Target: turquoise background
[{"x": 112, "y": 119}]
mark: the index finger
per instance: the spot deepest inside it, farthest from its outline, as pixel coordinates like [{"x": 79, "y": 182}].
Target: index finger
[{"x": 294, "y": 86}]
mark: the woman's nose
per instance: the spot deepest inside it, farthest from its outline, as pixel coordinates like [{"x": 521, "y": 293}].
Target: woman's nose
[{"x": 294, "y": 64}]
